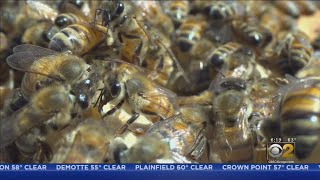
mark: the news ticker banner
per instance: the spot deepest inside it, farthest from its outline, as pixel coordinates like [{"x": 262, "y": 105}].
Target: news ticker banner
[{"x": 160, "y": 167}]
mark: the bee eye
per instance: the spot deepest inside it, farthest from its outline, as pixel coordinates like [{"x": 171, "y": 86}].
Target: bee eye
[
  {"x": 115, "y": 88},
  {"x": 120, "y": 8},
  {"x": 78, "y": 3},
  {"x": 216, "y": 60},
  {"x": 61, "y": 21},
  {"x": 83, "y": 101}
]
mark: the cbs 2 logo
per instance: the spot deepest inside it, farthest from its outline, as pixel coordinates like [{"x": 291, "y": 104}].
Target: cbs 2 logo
[{"x": 285, "y": 150}]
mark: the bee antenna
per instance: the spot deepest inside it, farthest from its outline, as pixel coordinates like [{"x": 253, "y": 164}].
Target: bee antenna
[{"x": 135, "y": 18}]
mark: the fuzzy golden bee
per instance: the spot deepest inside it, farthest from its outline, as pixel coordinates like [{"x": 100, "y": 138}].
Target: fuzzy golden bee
[
  {"x": 127, "y": 83},
  {"x": 44, "y": 105},
  {"x": 232, "y": 108}
]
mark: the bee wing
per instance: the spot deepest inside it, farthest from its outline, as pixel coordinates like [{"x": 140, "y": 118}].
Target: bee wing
[
  {"x": 25, "y": 54},
  {"x": 42, "y": 9},
  {"x": 163, "y": 126}
]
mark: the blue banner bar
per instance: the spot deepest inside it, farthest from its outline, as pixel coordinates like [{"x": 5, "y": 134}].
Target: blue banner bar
[{"x": 160, "y": 167}]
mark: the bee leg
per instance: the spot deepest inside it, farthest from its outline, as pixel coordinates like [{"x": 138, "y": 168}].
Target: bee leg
[
  {"x": 99, "y": 98},
  {"x": 123, "y": 128},
  {"x": 111, "y": 111},
  {"x": 43, "y": 154},
  {"x": 106, "y": 17}
]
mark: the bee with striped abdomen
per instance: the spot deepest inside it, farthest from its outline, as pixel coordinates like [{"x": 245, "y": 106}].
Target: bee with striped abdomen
[
  {"x": 255, "y": 35},
  {"x": 189, "y": 32},
  {"x": 77, "y": 38},
  {"x": 295, "y": 51},
  {"x": 177, "y": 10}
]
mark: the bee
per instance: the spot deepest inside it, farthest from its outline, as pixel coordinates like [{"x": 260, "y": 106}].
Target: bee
[
  {"x": 85, "y": 143},
  {"x": 296, "y": 9},
  {"x": 42, "y": 67},
  {"x": 196, "y": 70},
  {"x": 223, "y": 10},
  {"x": 40, "y": 33},
  {"x": 49, "y": 102},
  {"x": 297, "y": 116},
  {"x": 177, "y": 10},
  {"x": 145, "y": 150},
  {"x": 295, "y": 51},
  {"x": 158, "y": 59},
  {"x": 232, "y": 108},
  {"x": 154, "y": 16},
  {"x": 127, "y": 83},
  {"x": 221, "y": 54},
  {"x": 184, "y": 133},
  {"x": 189, "y": 32},
  {"x": 262, "y": 96},
  {"x": 161, "y": 61},
  {"x": 121, "y": 17},
  {"x": 255, "y": 35},
  {"x": 78, "y": 38}
]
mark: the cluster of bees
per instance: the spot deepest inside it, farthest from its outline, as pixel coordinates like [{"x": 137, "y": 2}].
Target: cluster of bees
[{"x": 156, "y": 81}]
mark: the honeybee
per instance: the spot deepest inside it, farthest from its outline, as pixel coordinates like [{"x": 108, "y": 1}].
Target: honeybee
[
  {"x": 127, "y": 83},
  {"x": 196, "y": 69},
  {"x": 223, "y": 10},
  {"x": 121, "y": 17},
  {"x": 40, "y": 33},
  {"x": 177, "y": 10},
  {"x": 221, "y": 55},
  {"x": 297, "y": 116},
  {"x": 153, "y": 15},
  {"x": 51, "y": 104},
  {"x": 145, "y": 150},
  {"x": 255, "y": 35},
  {"x": 43, "y": 66},
  {"x": 296, "y": 8},
  {"x": 78, "y": 38},
  {"x": 262, "y": 96},
  {"x": 295, "y": 51},
  {"x": 86, "y": 143},
  {"x": 232, "y": 108},
  {"x": 184, "y": 133},
  {"x": 161, "y": 61},
  {"x": 309, "y": 71},
  {"x": 189, "y": 32}
]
